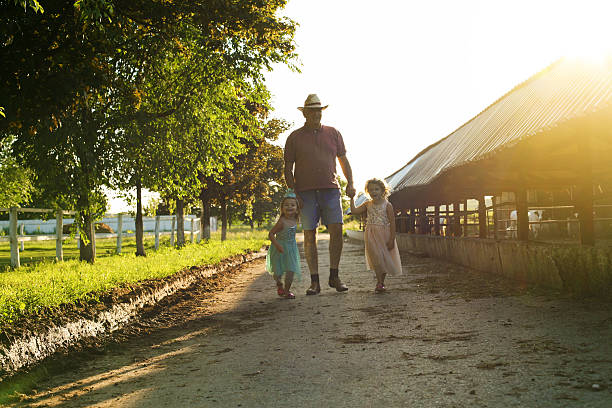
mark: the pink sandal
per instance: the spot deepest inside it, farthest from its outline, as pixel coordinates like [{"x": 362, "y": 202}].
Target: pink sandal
[
  {"x": 280, "y": 290},
  {"x": 380, "y": 287},
  {"x": 290, "y": 295}
]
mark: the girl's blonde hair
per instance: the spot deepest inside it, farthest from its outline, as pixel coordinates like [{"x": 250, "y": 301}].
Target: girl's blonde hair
[
  {"x": 380, "y": 183},
  {"x": 297, "y": 204}
]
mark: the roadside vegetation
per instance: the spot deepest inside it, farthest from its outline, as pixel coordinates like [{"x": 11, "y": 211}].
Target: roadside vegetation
[{"x": 45, "y": 284}]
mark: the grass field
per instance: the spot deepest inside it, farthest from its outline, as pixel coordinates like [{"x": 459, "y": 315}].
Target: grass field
[
  {"x": 38, "y": 251},
  {"x": 44, "y": 283}
]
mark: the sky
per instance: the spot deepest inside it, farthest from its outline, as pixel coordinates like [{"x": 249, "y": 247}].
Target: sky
[{"x": 399, "y": 75}]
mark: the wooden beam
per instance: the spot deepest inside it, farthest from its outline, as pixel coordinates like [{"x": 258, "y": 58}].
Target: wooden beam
[
  {"x": 522, "y": 215},
  {"x": 482, "y": 218},
  {"x": 584, "y": 196},
  {"x": 437, "y": 219},
  {"x": 495, "y": 222}
]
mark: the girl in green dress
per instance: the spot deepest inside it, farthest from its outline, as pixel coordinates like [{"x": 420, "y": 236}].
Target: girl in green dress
[{"x": 283, "y": 256}]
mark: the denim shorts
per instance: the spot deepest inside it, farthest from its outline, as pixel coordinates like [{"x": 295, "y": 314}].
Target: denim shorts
[{"x": 321, "y": 205}]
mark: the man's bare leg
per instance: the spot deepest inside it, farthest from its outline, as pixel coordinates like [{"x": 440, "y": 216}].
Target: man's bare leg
[
  {"x": 335, "y": 250},
  {"x": 312, "y": 259},
  {"x": 335, "y": 244}
]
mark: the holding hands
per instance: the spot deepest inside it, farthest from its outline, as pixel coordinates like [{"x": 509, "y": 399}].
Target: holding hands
[{"x": 350, "y": 190}]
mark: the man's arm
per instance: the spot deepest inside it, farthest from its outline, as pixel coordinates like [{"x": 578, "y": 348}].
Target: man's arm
[
  {"x": 348, "y": 174},
  {"x": 289, "y": 180}
]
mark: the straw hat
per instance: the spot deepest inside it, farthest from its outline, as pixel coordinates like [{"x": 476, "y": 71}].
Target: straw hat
[{"x": 312, "y": 102}]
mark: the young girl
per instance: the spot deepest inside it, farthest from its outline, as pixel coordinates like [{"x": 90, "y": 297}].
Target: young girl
[
  {"x": 382, "y": 254},
  {"x": 283, "y": 257}
]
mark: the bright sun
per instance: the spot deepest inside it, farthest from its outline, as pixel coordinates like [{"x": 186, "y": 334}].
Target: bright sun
[{"x": 589, "y": 32}]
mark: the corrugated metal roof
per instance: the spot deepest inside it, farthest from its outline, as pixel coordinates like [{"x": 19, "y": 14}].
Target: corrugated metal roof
[{"x": 565, "y": 90}]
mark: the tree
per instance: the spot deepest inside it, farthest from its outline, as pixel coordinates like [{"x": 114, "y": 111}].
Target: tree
[
  {"x": 250, "y": 175},
  {"x": 16, "y": 182},
  {"x": 82, "y": 72}
]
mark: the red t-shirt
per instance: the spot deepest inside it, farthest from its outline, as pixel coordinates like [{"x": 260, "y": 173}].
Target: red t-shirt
[{"x": 314, "y": 154}]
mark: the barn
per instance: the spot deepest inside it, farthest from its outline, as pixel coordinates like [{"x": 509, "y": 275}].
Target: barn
[{"x": 525, "y": 187}]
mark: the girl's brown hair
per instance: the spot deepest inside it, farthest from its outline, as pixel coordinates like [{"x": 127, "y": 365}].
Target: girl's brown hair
[
  {"x": 380, "y": 183},
  {"x": 297, "y": 205}
]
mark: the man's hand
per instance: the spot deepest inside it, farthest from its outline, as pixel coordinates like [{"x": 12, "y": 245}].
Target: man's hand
[{"x": 350, "y": 191}]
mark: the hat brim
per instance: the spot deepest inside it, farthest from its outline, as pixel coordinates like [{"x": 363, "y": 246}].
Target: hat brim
[{"x": 313, "y": 107}]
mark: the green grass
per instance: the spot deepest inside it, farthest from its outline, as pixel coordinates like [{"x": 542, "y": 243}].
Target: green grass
[
  {"x": 43, "y": 284},
  {"x": 39, "y": 251}
]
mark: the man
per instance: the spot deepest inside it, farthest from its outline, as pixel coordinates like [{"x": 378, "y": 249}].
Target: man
[{"x": 310, "y": 169}]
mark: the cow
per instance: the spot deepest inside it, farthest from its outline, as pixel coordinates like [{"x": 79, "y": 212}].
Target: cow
[{"x": 534, "y": 229}]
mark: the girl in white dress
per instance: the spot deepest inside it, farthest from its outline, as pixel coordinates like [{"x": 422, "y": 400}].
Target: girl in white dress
[{"x": 382, "y": 254}]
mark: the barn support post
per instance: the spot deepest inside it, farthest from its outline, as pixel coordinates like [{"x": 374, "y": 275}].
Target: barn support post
[
  {"x": 457, "y": 232},
  {"x": 465, "y": 219},
  {"x": 447, "y": 228},
  {"x": 404, "y": 223},
  {"x": 522, "y": 215},
  {"x": 411, "y": 221},
  {"x": 584, "y": 204},
  {"x": 437, "y": 219},
  {"x": 495, "y": 222},
  {"x": 423, "y": 224},
  {"x": 482, "y": 218},
  {"x": 584, "y": 198}
]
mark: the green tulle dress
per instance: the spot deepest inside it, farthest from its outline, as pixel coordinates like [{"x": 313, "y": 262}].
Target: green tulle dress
[{"x": 289, "y": 261}]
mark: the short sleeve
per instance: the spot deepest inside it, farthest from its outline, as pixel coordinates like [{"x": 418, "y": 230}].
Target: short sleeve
[{"x": 340, "y": 149}]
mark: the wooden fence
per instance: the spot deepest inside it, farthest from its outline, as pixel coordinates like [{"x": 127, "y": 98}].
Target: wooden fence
[{"x": 17, "y": 239}]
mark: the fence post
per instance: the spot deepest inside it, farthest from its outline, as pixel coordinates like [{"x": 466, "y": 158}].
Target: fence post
[
  {"x": 59, "y": 234},
  {"x": 156, "y": 232},
  {"x": 192, "y": 229},
  {"x": 21, "y": 233},
  {"x": 172, "y": 231},
  {"x": 119, "y": 232},
  {"x": 199, "y": 234},
  {"x": 13, "y": 237}
]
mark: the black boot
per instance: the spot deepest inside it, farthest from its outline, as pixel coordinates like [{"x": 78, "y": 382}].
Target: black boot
[
  {"x": 314, "y": 288},
  {"x": 334, "y": 281}
]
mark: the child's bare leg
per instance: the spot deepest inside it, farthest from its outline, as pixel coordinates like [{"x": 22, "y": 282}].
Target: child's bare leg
[
  {"x": 380, "y": 284},
  {"x": 288, "y": 281},
  {"x": 279, "y": 285},
  {"x": 380, "y": 279}
]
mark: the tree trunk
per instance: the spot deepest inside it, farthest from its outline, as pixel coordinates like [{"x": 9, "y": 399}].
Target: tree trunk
[
  {"x": 252, "y": 224},
  {"x": 87, "y": 250},
  {"x": 180, "y": 223},
  {"x": 223, "y": 219},
  {"x": 140, "y": 249},
  {"x": 205, "y": 219}
]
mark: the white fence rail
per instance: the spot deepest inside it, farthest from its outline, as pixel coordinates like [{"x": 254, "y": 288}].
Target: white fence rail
[{"x": 17, "y": 240}]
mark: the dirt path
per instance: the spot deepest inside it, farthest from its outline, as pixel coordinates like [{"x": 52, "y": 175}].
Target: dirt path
[{"x": 442, "y": 336}]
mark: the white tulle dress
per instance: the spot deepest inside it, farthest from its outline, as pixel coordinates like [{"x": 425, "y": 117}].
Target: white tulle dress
[{"x": 377, "y": 233}]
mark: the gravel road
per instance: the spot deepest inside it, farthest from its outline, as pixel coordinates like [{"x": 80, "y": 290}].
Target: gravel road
[{"x": 442, "y": 336}]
